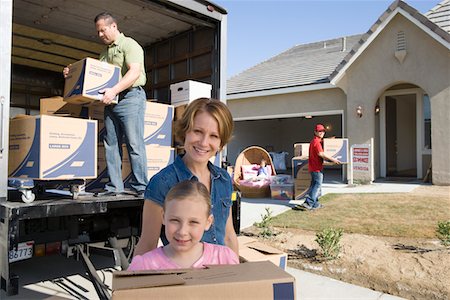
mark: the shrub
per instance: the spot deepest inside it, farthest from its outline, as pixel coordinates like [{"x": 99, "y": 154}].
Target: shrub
[
  {"x": 328, "y": 240},
  {"x": 443, "y": 232},
  {"x": 266, "y": 229}
]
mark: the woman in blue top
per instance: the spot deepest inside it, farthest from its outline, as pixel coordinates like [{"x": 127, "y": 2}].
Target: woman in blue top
[{"x": 205, "y": 127}]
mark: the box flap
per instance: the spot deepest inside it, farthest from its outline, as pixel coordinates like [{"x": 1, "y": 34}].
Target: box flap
[
  {"x": 121, "y": 282},
  {"x": 258, "y": 246}
]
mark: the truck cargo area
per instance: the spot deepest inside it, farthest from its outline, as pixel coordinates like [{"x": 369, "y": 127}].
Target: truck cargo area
[{"x": 182, "y": 40}]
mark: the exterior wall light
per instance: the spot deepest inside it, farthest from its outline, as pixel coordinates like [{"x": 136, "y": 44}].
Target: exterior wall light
[
  {"x": 377, "y": 109},
  {"x": 359, "y": 111}
]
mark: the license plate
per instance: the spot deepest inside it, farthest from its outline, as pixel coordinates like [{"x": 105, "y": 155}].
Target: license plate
[{"x": 23, "y": 251}]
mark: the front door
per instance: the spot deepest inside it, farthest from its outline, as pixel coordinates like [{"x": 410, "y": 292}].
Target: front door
[
  {"x": 401, "y": 133},
  {"x": 401, "y": 151}
]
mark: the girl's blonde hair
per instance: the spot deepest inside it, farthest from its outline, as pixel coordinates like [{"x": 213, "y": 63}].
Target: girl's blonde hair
[{"x": 189, "y": 188}]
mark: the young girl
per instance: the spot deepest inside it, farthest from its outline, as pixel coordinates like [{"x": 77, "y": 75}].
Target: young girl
[{"x": 186, "y": 215}]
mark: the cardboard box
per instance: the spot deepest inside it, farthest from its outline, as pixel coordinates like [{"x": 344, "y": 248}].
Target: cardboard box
[
  {"x": 186, "y": 91},
  {"x": 98, "y": 184},
  {"x": 250, "y": 250},
  {"x": 58, "y": 107},
  {"x": 252, "y": 280},
  {"x": 301, "y": 149},
  {"x": 302, "y": 178},
  {"x": 49, "y": 147},
  {"x": 86, "y": 80},
  {"x": 97, "y": 112},
  {"x": 158, "y": 157},
  {"x": 158, "y": 124},
  {"x": 337, "y": 148}
]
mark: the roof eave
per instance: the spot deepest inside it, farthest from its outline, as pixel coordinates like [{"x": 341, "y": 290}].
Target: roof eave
[
  {"x": 280, "y": 91},
  {"x": 438, "y": 34}
]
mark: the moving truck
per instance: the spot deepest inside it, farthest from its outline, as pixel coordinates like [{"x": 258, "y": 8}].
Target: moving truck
[{"x": 183, "y": 40}]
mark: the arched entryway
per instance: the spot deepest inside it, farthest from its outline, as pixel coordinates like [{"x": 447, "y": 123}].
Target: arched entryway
[{"x": 404, "y": 133}]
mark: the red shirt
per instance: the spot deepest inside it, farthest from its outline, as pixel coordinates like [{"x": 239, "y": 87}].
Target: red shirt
[{"x": 315, "y": 162}]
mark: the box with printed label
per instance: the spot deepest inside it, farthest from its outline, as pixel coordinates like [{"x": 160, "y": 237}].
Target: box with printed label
[
  {"x": 336, "y": 148},
  {"x": 87, "y": 79},
  {"x": 302, "y": 178},
  {"x": 98, "y": 184},
  {"x": 58, "y": 107},
  {"x": 252, "y": 250},
  {"x": 186, "y": 91},
  {"x": 251, "y": 280},
  {"x": 301, "y": 149},
  {"x": 158, "y": 157},
  {"x": 49, "y": 147},
  {"x": 158, "y": 124}
]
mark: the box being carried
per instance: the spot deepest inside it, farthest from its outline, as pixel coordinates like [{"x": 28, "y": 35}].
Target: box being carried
[
  {"x": 337, "y": 148},
  {"x": 252, "y": 280},
  {"x": 48, "y": 147},
  {"x": 186, "y": 91},
  {"x": 251, "y": 250},
  {"x": 86, "y": 80}
]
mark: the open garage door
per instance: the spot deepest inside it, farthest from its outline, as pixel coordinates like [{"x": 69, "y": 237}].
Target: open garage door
[{"x": 281, "y": 133}]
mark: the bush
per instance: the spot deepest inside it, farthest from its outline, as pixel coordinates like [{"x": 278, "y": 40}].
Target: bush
[
  {"x": 443, "y": 232},
  {"x": 328, "y": 240},
  {"x": 266, "y": 229}
]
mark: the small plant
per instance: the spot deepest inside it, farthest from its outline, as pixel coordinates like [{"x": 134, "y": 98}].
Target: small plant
[
  {"x": 443, "y": 232},
  {"x": 328, "y": 240},
  {"x": 266, "y": 229}
]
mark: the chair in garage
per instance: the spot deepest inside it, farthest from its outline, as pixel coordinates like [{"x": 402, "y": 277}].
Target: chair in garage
[{"x": 248, "y": 161}]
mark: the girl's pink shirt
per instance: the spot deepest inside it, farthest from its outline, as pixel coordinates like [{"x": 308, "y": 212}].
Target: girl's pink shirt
[{"x": 157, "y": 260}]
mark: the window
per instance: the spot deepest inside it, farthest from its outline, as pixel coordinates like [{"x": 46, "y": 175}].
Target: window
[{"x": 426, "y": 122}]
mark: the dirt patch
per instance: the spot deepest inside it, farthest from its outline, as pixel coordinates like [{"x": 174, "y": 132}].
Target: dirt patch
[
  {"x": 413, "y": 269},
  {"x": 405, "y": 267}
]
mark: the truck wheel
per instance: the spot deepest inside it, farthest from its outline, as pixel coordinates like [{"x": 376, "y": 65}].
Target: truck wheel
[{"x": 28, "y": 196}]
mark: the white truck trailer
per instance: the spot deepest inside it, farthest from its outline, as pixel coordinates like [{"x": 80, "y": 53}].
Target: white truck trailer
[{"x": 182, "y": 39}]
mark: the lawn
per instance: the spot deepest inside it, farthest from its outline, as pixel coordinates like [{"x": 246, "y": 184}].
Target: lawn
[{"x": 396, "y": 215}]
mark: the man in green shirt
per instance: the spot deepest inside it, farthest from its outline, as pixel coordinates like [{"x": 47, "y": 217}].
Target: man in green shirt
[{"x": 124, "y": 122}]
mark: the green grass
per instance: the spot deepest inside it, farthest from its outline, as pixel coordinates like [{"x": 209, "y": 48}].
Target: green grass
[{"x": 396, "y": 215}]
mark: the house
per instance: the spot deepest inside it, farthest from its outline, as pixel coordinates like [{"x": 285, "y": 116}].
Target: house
[{"x": 388, "y": 88}]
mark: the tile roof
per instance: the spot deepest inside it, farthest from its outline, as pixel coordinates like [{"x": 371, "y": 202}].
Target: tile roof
[
  {"x": 322, "y": 61},
  {"x": 300, "y": 65},
  {"x": 440, "y": 15}
]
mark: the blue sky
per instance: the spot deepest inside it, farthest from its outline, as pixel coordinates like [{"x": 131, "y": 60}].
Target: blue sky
[{"x": 261, "y": 29}]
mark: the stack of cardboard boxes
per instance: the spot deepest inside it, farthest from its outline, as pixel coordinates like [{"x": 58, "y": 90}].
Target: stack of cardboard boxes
[
  {"x": 183, "y": 93},
  {"x": 334, "y": 147}
]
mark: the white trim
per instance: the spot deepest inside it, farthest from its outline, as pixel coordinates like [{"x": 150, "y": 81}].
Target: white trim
[
  {"x": 281, "y": 91},
  {"x": 419, "y": 132},
  {"x": 383, "y": 170},
  {"x": 198, "y": 7},
  {"x": 294, "y": 115},
  {"x": 223, "y": 31},
  {"x": 366, "y": 44}
]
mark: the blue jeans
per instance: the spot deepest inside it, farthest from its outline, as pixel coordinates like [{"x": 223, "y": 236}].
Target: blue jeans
[
  {"x": 315, "y": 189},
  {"x": 124, "y": 123}
]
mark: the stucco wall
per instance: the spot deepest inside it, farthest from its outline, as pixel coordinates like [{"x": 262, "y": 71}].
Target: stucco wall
[
  {"x": 305, "y": 102},
  {"x": 426, "y": 65}
]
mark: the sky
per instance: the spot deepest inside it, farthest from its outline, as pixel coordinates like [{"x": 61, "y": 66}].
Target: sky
[{"x": 261, "y": 29}]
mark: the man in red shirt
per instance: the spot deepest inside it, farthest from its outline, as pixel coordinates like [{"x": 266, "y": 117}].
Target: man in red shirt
[{"x": 315, "y": 167}]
